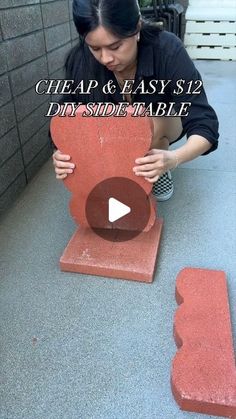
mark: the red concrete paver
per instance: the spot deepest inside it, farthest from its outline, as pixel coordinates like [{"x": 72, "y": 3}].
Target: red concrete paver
[
  {"x": 134, "y": 259},
  {"x": 101, "y": 148},
  {"x": 106, "y": 148},
  {"x": 203, "y": 376}
]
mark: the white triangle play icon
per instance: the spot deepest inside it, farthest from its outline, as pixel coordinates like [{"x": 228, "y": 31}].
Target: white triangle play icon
[{"x": 117, "y": 210}]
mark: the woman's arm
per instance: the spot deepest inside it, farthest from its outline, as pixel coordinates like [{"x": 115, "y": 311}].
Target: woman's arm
[
  {"x": 195, "y": 146},
  {"x": 157, "y": 162}
]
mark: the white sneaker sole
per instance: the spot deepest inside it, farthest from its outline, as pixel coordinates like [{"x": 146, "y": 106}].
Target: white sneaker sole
[{"x": 161, "y": 198}]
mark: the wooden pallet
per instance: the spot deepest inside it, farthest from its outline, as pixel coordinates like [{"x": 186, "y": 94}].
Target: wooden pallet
[
  {"x": 209, "y": 39},
  {"x": 210, "y": 26},
  {"x": 211, "y": 53},
  {"x": 213, "y": 3},
  {"x": 211, "y": 33},
  {"x": 211, "y": 13}
]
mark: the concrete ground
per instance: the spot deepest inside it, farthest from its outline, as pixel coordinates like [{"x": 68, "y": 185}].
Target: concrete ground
[{"x": 83, "y": 347}]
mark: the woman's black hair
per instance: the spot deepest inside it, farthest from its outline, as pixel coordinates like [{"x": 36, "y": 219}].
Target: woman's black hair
[{"x": 120, "y": 17}]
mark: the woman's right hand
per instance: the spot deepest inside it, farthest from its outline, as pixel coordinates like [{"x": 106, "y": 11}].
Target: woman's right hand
[{"x": 62, "y": 164}]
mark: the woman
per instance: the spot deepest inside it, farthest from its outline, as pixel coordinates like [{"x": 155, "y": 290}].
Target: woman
[{"x": 116, "y": 44}]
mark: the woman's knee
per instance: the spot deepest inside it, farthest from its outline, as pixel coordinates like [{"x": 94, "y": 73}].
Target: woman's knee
[
  {"x": 160, "y": 143},
  {"x": 167, "y": 127}
]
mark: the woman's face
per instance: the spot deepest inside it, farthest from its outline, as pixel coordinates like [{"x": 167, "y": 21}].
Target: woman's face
[{"x": 115, "y": 53}]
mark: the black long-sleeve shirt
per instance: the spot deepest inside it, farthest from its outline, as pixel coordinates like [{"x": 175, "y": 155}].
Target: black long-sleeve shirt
[
  {"x": 165, "y": 59},
  {"x": 170, "y": 61}
]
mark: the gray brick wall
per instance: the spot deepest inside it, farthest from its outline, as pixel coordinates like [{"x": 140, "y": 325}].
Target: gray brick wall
[{"x": 35, "y": 36}]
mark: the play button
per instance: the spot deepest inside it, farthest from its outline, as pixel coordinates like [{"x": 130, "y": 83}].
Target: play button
[{"x": 118, "y": 209}]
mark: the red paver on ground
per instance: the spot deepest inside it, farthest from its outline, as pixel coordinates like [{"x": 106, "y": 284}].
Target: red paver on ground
[
  {"x": 203, "y": 376},
  {"x": 134, "y": 259}
]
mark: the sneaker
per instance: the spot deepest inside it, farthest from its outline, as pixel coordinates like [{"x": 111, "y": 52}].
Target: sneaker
[{"x": 163, "y": 188}]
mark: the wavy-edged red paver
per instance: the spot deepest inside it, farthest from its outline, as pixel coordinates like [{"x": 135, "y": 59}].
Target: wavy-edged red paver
[
  {"x": 203, "y": 377},
  {"x": 102, "y": 148}
]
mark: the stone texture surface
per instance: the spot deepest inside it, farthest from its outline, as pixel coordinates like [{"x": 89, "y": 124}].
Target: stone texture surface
[
  {"x": 203, "y": 371},
  {"x": 57, "y": 35},
  {"x": 55, "y": 13},
  {"x": 9, "y": 143},
  {"x": 135, "y": 259},
  {"x": 102, "y": 348},
  {"x": 7, "y": 118},
  {"x": 3, "y": 60},
  {"x": 24, "y": 49},
  {"x": 19, "y": 21},
  {"x": 28, "y": 75},
  {"x": 33, "y": 146},
  {"x": 15, "y": 3},
  {"x": 104, "y": 148},
  {"x": 5, "y": 90},
  {"x": 12, "y": 192},
  {"x": 28, "y": 30},
  {"x": 32, "y": 123},
  {"x": 56, "y": 58},
  {"x": 28, "y": 102},
  {"x": 38, "y": 160},
  {"x": 10, "y": 170}
]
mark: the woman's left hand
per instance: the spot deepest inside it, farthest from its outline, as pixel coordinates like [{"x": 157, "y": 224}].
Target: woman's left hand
[{"x": 154, "y": 164}]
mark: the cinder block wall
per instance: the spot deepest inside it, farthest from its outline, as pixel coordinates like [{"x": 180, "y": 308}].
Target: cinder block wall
[{"x": 35, "y": 36}]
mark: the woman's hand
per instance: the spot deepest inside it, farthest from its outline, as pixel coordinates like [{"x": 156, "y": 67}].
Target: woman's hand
[
  {"x": 155, "y": 163},
  {"x": 62, "y": 164}
]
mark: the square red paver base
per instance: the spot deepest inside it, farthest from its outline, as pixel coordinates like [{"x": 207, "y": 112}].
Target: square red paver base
[{"x": 135, "y": 259}]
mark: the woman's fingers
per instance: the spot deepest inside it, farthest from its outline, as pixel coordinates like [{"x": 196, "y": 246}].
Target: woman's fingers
[
  {"x": 148, "y": 159},
  {"x": 62, "y": 171},
  {"x": 62, "y": 165},
  {"x": 59, "y": 156},
  {"x": 61, "y": 160},
  {"x": 144, "y": 168},
  {"x": 61, "y": 177},
  {"x": 148, "y": 174},
  {"x": 150, "y": 167}
]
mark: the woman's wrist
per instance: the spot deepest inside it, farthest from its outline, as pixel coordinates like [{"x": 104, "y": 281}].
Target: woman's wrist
[
  {"x": 176, "y": 159},
  {"x": 193, "y": 148}
]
